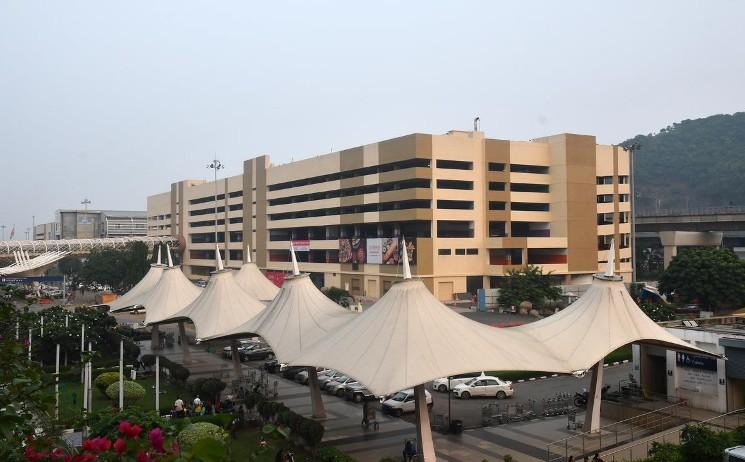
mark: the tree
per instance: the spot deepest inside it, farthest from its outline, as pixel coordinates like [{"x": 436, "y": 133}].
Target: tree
[
  {"x": 118, "y": 268},
  {"x": 339, "y": 296},
  {"x": 711, "y": 276},
  {"x": 658, "y": 312},
  {"x": 527, "y": 284},
  {"x": 71, "y": 268}
]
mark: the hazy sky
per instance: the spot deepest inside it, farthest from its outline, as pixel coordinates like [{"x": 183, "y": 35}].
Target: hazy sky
[{"x": 116, "y": 100}]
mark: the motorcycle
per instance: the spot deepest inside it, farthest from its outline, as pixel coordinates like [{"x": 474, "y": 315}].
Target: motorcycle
[{"x": 580, "y": 398}]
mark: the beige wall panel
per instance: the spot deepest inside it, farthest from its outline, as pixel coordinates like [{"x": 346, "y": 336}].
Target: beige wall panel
[
  {"x": 304, "y": 168},
  {"x": 525, "y": 152},
  {"x": 405, "y": 147},
  {"x": 533, "y": 178}
]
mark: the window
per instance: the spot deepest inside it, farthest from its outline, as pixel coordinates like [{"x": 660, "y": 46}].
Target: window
[
  {"x": 529, "y": 187},
  {"x": 236, "y": 254},
  {"x": 496, "y": 205},
  {"x": 454, "y": 164},
  {"x": 452, "y": 228},
  {"x": 208, "y": 211},
  {"x": 236, "y": 207},
  {"x": 522, "y": 168},
  {"x": 472, "y": 251},
  {"x": 623, "y": 198},
  {"x": 605, "y": 198},
  {"x": 604, "y": 242},
  {"x": 624, "y": 217},
  {"x": 496, "y": 167},
  {"x": 455, "y": 184},
  {"x": 456, "y": 205},
  {"x": 496, "y": 186},
  {"x": 625, "y": 241},
  {"x": 202, "y": 200},
  {"x": 497, "y": 229},
  {"x": 605, "y": 218},
  {"x": 206, "y": 238},
  {"x": 460, "y": 251},
  {"x": 623, "y": 179},
  {"x": 443, "y": 251},
  {"x": 236, "y": 194},
  {"x": 530, "y": 207},
  {"x": 605, "y": 180},
  {"x": 236, "y": 220},
  {"x": 236, "y": 236}
]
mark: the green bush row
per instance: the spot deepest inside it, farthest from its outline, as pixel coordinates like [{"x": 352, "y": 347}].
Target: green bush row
[{"x": 310, "y": 430}]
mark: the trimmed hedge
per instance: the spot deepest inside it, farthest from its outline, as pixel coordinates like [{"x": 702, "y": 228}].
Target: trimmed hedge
[
  {"x": 103, "y": 381},
  {"x": 198, "y": 431},
  {"x": 310, "y": 430},
  {"x": 221, "y": 420},
  {"x": 132, "y": 391}
]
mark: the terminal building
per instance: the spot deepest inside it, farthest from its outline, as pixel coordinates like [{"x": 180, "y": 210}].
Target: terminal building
[
  {"x": 93, "y": 224},
  {"x": 471, "y": 209}
]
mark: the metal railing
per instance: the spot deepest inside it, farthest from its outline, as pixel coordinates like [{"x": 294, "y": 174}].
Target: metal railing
[
  {"x": 640, "y": 450},
  {"x": 81, "y": 245},
  {"x": 724, "y": 210},
  {"x": 618, "y": 433}
]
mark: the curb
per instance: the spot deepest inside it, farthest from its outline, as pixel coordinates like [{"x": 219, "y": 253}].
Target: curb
[{"x": 546, "y": 377}]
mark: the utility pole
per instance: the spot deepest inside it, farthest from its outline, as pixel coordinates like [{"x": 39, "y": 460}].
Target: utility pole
[
  {"x": 216, "y": 165},
  {"x": 631, "y": 148},
  {"x": 85, "y": 203},
  {"x": 3, "y": 228}
]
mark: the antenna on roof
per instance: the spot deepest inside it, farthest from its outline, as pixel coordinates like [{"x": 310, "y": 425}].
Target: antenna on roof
[
  {"x": 407, "y": 268},
  {"x": 218, "y": 257},
  {"x": 476, "y": 124},
  {"x": 248, "y": 253},
  {"x": 168, "y": 252},
  {"x": 609, "y": 270},
  {"x": 160, "y": 262},
  {"x": 295, "y": 269}
]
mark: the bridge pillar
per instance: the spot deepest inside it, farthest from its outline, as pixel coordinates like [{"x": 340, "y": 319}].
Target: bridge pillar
[{"x": 671, "y": 240}]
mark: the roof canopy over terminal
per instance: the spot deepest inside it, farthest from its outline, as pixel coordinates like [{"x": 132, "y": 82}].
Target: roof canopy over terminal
[
  {"x": 137, "y": 293},
  {"x": 171, "y": 294},
  {"x": 253, "y": 281}
]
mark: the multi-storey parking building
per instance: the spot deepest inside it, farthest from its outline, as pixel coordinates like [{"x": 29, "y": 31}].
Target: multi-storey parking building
[{"x": 471, "y": 209}]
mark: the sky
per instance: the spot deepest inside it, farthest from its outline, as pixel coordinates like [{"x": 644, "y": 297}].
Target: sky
[{"x": 114, "y": 101}]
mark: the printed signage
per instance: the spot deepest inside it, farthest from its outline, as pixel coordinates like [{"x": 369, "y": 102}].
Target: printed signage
[
  {"x": 30, "y": 279},
  {"x": 375, "y": 251},
  {"x": 695, "y": 361},
  {"x": 301, "y": 245}
]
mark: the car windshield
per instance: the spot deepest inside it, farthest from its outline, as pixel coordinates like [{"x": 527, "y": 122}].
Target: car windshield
[
  {"x": 472, "y": 381},
  {"x": 342, "y": 378},
  {"x": 400, "y": 396}
]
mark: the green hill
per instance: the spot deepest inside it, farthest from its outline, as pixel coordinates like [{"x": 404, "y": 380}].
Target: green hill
[{"x": 693, "y": 163}]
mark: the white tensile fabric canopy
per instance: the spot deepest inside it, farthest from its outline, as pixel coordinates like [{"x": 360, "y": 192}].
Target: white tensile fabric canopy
[
  {"x": 135, "y": 295},
  {"x": 603, "y": 319},
  {"x": 409, "y": 337},
  {"x": 221, "y": 306},
  {"x": 252, "y": 280},
  {"x": 170, "y": 295},
  {"x": 299, "y": 316}
]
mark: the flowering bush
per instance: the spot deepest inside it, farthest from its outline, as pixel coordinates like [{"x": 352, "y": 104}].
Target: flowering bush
[
  {"x": 103, "y": 381},
  {"x": 133, "y": 391},
  {"x": 198, "y": 431}
]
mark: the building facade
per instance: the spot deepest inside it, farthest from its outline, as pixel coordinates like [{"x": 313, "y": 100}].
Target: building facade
[
  {"x": 470, "y": 208},
  {"x": 93, "y": 224}
]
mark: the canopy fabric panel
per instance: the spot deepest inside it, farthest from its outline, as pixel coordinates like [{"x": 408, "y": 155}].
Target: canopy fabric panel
[
  {"x": 299, "y": 316},
  {"x": 171, "y": 294},
  {"x": 603, "y": 319},
  {"x": 221, "y": 306},
  {"x": 252, "y": 280},
  {"x": 137, "y": 293},
  {"x": 408, "y": 338}
]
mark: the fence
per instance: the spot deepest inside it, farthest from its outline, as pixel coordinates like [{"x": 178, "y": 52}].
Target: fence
[
  {"x": 640, "y": 450},
  {"x": 619, "y": 433}
]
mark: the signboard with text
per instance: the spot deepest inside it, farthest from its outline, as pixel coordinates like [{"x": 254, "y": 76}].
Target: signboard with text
[
  {"x": 695, "y": 361},
  {"x": 301, "y": 245}
]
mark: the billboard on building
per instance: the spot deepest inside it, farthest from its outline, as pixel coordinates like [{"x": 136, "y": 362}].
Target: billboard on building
[
  {"x": 375, "y": 251},
  {"x": 352, "y": 251}
]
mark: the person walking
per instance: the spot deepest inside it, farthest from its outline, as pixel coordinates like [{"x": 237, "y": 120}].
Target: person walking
[
  {"x": 178, "y": 407},
  {"x": 365, "y": 411}
]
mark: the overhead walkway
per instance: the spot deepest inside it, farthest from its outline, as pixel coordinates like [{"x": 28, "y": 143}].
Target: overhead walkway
[{"x": 81, "y": 245}]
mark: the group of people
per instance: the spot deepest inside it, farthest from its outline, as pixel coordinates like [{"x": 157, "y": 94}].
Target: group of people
[
  {"x": 198, "y": 407},
  {"x": 595, "y": 458}
]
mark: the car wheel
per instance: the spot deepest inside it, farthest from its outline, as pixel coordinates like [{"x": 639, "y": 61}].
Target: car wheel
[
  {"x": 398, "y": 412},
  {"x": 501, "y": 395},
  {"x": 442, "y": 388},
  {"x": 465, "y": 395},
  {"x": 357, "y": 398},
  {"x": 340, "y": 393}
]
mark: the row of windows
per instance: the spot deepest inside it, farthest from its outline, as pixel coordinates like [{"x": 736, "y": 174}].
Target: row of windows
[
  {"x": 494, "y": 205},
  {"x": 622, "y": 179},
  {"x": 458, "y": 251},
  {"x": 368, "y": 189},
  {"x": 400, "y": 165},
  {"x": 417, "y": 228},
  {"x": 607, "y": 218},
  {"x": 518, "y": 168},
  {"x": 608, "y": 198},
  {"x": 362, "y": 208},
  {"x": 202, "y": 200}
]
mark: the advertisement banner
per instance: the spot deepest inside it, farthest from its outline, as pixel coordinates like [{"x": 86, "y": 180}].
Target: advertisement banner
[
  {"x": 352, "y": 251},
  {"x": 301, "y": 245},
  {"x": 375, "y": 251},
  {"x": 277, "y": 277},
  {"x": 391, "y": 255}
]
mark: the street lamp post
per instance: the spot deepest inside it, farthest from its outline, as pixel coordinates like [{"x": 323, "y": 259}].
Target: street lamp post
[
  {"x": 216, "y": 165},
  {"x": 631, "y": 148},
  {"x": 3, "y": 228}
]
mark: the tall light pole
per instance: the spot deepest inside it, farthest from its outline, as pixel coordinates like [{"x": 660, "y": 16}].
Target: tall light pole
[
  {"x": 631, "y": 148},
  {"x": 85, "y": 203},
  {"x": 216, "y": 165},
  {"x": 3, "y": 228}
]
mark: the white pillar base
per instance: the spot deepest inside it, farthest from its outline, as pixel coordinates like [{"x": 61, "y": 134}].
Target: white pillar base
[
  {"x": 424, "y": 444},
  {"x": 319, "y": 411},
  {"x": 594, "y": 397}
]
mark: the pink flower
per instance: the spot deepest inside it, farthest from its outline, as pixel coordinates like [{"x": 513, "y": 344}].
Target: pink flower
[
  {"x": 131, "y": 431},
  {"x": 120, "y": 445},
  {"x": 124, "y": 427},
  {"x": 142, "y": 456},
  {"x": 58, "y": 453},
  {"x": 174, "y": 447},
  {"x": 157, "y": 438},
  {"x": 87, "y": 445},
  {"x": 101, "y": 444},
  {"x": 30, "y": 454}
]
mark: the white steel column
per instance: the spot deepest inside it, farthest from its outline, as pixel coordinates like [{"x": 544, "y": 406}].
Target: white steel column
[
  {"x": 157, "y": 384},
  {"x": 425, "y": 446},
  {"x": 592, "y": 416},
  {"x": 121, "y": 375},
  {"x": 56, "y": 385}
]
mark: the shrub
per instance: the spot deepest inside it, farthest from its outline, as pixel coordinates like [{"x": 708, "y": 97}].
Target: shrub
[
  {"x": 133, "y": 391},
  {"x": 312, "y": 432},
  {"x": 103, "y": 381},
  {"x": 665, "y": 452},
  {"x": 331, "y": 454},
  {"x": 702, "y": 444},
  {"x": 199, "y": 431},
  {"x": 221, "y": 420},
  {"x": 179, "y": 373},
  {"x": 105, "y": 422},
  {"x": 148, "y": 360}
]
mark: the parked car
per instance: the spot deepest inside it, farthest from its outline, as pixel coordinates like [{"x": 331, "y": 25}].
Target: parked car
[
  {"x": 302, "y": 376},
  {"x": 289, "y": 372},
  {"x": 403, "y": 402},
  {"x": 484, "y": 385},
  {"x": 441, "y": 384},
  {"x": 358, "y": 393},
  {"x": 325, "y": 379},
  {"x": 336, "y": 387},
  {"x": 256, "y": 352},
  {"x": 734, "y": 454},
  {"x": 273, "y": 366},
  {"x": 227, "y": 352}
]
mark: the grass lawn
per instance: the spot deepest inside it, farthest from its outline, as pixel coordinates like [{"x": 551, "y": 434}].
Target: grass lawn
[
  {"x": 71, "y": 397},
  {"x": 247, "y": 442}
]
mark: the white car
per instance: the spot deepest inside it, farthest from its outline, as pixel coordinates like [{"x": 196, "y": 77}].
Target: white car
[
  {"x": 484, "y": 386},
  {"x": 442, "y": 384},
  {"x": 734, "y": 454},
  {"x": 403, "y": 402},
  {"x": 336, "y": 386}
]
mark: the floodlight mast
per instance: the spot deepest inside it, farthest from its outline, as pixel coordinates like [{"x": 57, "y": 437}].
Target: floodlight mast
[
  {"x": 216, "y": 165},
  {"x": 631, "y": 148}
]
